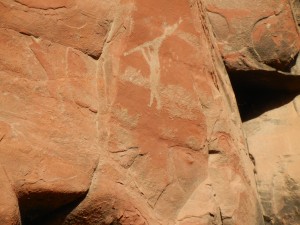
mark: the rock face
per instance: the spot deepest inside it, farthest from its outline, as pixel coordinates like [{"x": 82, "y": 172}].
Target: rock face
[
  {"x": 67, "y": 22},
  {"x": 48, "y": 122},
  {"x": 122, "y": 112},
  {"x": 255, "y": 35},
  {"x": 271, "y": 124},
  {"x": 273, "y": 140},
  {"x": 296, "y": 10},
  {"x": 254, "y": 45}
]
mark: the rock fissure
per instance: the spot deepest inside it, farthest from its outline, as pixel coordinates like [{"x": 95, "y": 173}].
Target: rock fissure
[{"x": 40, "y": 8}]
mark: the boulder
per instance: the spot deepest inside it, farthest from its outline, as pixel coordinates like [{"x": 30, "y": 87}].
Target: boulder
[{"x": 255, "y": 35}]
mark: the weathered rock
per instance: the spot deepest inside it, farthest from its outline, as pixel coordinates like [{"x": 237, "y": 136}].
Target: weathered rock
[
  {"x": 9, "y": 210},
  {"x": 254, "y": 43},
  {"x": 173, "y": 142},
  {"x": 269, "y": 107},
  {"x": 295, "y": 70},
  {"x": 273, "y": 140},
  {"x": 48, "y": 121},
  {"x": 121, "y": 112},
  {"x": 72, "y": 23},
  {"x": 255, "y": 35},
  {"x": 296, "y": 10}
]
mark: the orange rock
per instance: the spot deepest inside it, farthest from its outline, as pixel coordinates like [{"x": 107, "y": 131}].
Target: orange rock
[
  {"x": 9, "y": 211},
  {"x": 253, "y": 35},
  {"x": 122, "y": 112}
]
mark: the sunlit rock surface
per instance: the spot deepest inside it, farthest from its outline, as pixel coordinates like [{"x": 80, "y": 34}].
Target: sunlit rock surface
[{"x": 122, "y": 112}]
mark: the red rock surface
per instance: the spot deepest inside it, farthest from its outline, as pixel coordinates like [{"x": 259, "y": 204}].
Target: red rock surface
[
  {"x": 70, "y": 23},
  {"x": 253, "y": 35},
  {"x": 120, "y": 112}
]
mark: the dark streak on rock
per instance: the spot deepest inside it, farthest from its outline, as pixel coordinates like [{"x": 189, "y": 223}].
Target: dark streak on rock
[
  {"x": 214, "y": 152},
  {"x": 2, "y": 137},
  {"x": 252, "y": 159}
]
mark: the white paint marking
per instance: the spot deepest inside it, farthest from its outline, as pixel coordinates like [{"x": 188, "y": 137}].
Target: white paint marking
[{"x": 150, "y": 51}]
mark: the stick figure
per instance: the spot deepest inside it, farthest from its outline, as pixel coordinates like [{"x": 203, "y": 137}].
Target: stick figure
[{"x": 150, "y": 51}]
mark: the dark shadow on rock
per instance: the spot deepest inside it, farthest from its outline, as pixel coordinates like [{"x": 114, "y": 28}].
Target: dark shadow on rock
[
  {"x": 58, "y": 216},
  {"x": 41, "y": 217},
  {"x": 260, "y": 91}
]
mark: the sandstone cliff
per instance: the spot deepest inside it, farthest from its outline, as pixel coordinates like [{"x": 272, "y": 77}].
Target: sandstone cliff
[{"x": 123, "y": 112}]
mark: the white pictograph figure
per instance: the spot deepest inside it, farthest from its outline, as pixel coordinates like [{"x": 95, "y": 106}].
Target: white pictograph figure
[{"x": 150, "y": 51}]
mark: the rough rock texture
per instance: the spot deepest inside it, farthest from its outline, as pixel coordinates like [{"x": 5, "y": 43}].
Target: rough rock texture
[
  {"x": 72, "y": 23},
  {"x": 271, "y": 123},
  {"x": 48, "y": 121},
  {"x": 255, "y": 35},
  {"x": 122, "y": 112},
  {"x": 273, "y": 140},
  {"x": 269, "y": 108},
  {"x": 296, "y": 10},
  {"x": 9, "y": 211}
]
